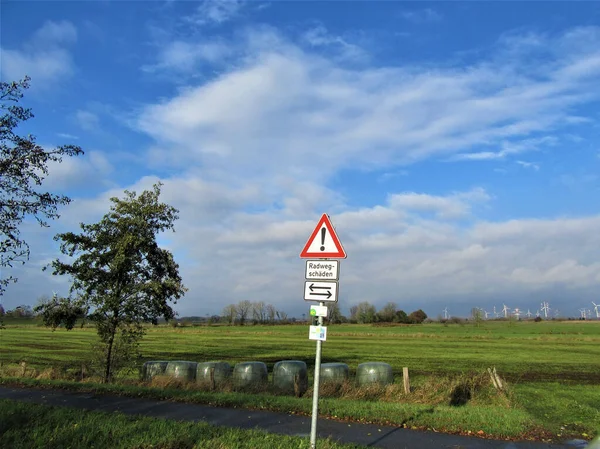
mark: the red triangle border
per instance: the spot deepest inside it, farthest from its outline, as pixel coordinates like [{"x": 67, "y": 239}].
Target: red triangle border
[{"x": 340, "y": 254}]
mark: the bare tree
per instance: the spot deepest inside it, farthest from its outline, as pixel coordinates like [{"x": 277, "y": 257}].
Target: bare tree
[
  {"x": 243, "y": 310},
  {"x": 271, "y": 313},
  {"x": 259, "y": 312},
  {"x": 282, "y": 316},
  {"x": 229, "y": 313}
]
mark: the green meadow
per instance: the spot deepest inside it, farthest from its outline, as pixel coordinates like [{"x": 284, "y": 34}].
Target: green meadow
[{"x": 551, "y": 371}]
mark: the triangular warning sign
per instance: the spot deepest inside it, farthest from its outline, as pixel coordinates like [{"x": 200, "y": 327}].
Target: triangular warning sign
[{"x": 323, "y": 242}]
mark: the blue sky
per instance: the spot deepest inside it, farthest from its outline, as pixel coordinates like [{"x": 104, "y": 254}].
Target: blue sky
[{"x": 454, "y": 144}]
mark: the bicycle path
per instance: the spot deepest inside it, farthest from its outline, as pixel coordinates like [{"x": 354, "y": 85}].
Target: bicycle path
[{"x": 388, "y": 437}]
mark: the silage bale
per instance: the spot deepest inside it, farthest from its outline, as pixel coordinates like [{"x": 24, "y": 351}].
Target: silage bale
[
  {"x": 250, "y": 374},
  {"x": 290, "y": 376},
  {"x": 222, "y": 372},
  {"x": 181, "y": 370},
  {"x": 336, "y": 373},
  {"x": 152, "y": 369},
  {"x": 374, "y": 372}
]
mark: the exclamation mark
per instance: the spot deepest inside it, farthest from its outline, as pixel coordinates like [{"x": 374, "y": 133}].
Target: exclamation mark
[{"x": 323, "y": 230}]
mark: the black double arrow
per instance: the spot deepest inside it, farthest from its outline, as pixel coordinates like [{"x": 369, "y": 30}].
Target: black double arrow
[{"x": 312, "y": 288}]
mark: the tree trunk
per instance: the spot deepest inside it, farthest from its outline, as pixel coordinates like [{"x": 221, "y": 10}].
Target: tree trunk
[{"x": 109, "y": 356}]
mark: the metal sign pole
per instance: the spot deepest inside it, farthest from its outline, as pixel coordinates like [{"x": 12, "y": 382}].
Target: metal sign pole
[{"x": 315, "y": 405}]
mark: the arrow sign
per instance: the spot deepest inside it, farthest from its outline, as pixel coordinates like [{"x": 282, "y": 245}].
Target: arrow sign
[
  {"x": 320, "y": 291},
  {"x": 323, "y": 242}
]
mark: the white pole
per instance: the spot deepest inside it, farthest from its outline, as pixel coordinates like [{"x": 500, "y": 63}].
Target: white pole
[
  {"x": 315, "y": 404},
  {"x": 315, "y": 413}
]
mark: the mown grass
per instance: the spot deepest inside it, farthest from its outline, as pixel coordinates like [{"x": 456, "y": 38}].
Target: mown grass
[
  {"x": 524, "y": 351},
  {"x": 525, "y": 354},
  {"x": 39, "y": 426}
]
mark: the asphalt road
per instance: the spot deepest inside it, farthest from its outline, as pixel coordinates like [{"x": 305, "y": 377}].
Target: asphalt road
[{"x": 363, "y": 434}]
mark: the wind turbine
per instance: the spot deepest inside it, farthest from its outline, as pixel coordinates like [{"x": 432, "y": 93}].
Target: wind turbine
[
  {"x": 528, "y": 314},
  {"x": 486, "y": 314},
  {"x": 596, "y": 309},
  {"x": 505, "y": 311},
  {"x": 517, "y": 313},
  {"x": 545, "y": 308},
  {"x": 583, "y": 313},
  {"x": 446, "y": 313},
  {"x": 495, "y": 313}
]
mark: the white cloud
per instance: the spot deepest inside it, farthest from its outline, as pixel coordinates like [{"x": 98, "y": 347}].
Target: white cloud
[
  {"x": 508, "y": 148},
  {"x": 87, "y": 120},
  {"x": 531, "y": 165},
  {"x": 343, "y": 50},
  {"x": 216, "y": 11},
  {"x": 257, "y": 149},
  {"x": 44, "y": 57},
  {"x": 284, "y": 109},
  {"x": 185, "y": 56}
]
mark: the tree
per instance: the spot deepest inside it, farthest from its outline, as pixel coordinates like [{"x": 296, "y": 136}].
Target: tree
[
  {"x": 477, "y": 315},
  {"x": 271, "y": 313},
  {"x": 335, "y": 314},
  {"x": 243, "y": 309},
  {"x": 23, "y": 168},
  {"x": 121, "y": 273},
  {"x": 229, "y": 313},
  {"x": 417, "y": 317},
  {"x": 401, "y": 317},
  {"x": 366, "y": 312},
  {"x": 387, "y": 313},
  {"x": 56, "y": 311},
  {"x": 259, "y": 312}
]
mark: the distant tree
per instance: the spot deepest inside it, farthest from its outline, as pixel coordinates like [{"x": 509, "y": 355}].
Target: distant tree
[
  {"x": 23, "y": 168},
  {"x": 282, "y": 316},
  {"x": 229, "y": 313},
  {"x": 334, "y": 314},
  {"x": 477, "y": 316},
  {"x": 401, "y": 317},
  {"x": 354, "y": 314},
  {"x": 366, "y": 313},
  {"x": 243, "y": 309},
  {"x": 120, "y": 273},
  {"x": 22, "y": 311},
  {"x": 387, "y": 313},
  {"x": 417, "y": 317},
  {"x": 271, "y": 313},
  {"x": 259, "y": 312}
]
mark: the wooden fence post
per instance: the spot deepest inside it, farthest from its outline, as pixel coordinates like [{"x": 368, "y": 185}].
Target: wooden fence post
[{"x": 406, "y": 380}]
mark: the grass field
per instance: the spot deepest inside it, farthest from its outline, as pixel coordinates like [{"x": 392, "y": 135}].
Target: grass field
[
  {"x": 28, "y": 426},
  {"x": 552, "y": 368}
]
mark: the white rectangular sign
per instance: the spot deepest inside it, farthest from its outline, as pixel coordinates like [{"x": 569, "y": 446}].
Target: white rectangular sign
[
  {"x": 317, "y": 333},
  {"x": 318, "y": 311},
  {"x": 327, "y": 270},
  {"x": 321, "y": 291}
]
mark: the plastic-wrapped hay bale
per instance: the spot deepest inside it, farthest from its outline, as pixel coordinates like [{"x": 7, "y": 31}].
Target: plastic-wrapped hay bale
[
  {"x": 222, "y": 372},
  {"x": 290, "y": 376},
  {"x": 152, "y": 369},
  {"x": 334, "y": 372},
  {"x": 250, "y": 374},
  {"x": 374, "y": 372},
  {"x": 182, "y": 370}
]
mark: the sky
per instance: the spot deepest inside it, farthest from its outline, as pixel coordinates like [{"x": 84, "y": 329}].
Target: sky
[{"x": 454, "y": 145}]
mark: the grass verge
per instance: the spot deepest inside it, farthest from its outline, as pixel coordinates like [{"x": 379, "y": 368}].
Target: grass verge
[
  {"x": 484, "y": 421},
  {"x": 24, "y": 425}
]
